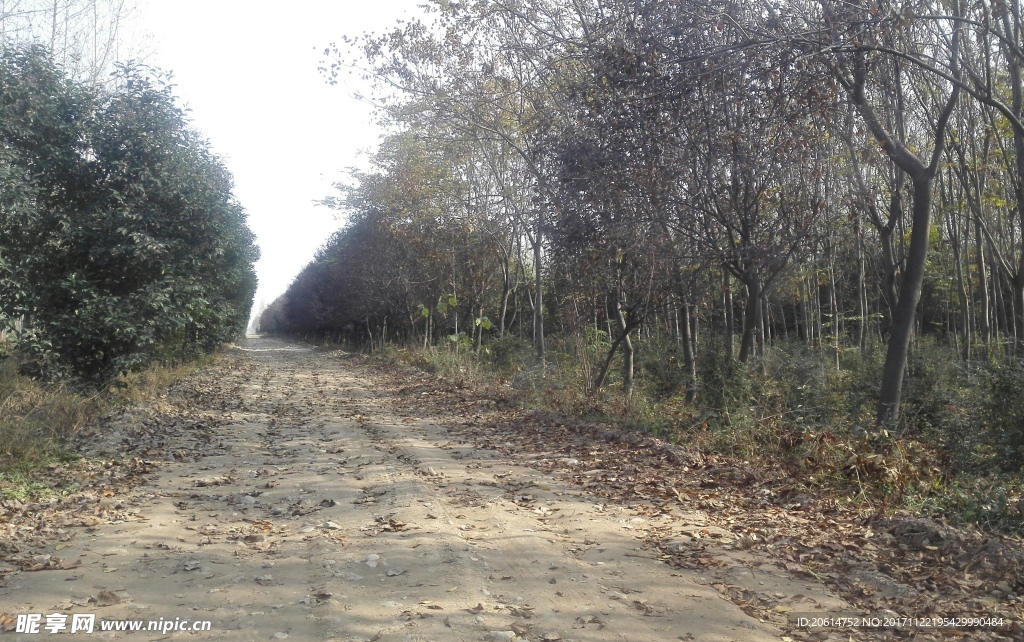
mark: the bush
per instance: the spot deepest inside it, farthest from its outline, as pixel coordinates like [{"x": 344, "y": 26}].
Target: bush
[
  {"x": 661, "y": 368},
  {"x": 722, "y": 382},
  {"x": 507, "y": 354},
  {"x": 992, "y": 503},
  {"x": 120, "y": 241},
  {"x": 1003, "y": 416}
]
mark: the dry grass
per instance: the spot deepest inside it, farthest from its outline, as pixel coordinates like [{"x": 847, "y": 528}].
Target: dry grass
[
  {"x": 812, "y": 424},
  {"x": 35, "y": 418},
  {"x": 147, "y": 385}
]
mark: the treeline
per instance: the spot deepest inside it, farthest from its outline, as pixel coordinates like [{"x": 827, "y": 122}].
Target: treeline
[
  {"x": 120, "y": 241},
  {"x": 719, "y": 175}
]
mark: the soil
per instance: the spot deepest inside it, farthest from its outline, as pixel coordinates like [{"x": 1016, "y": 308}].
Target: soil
[{"x": 293, "y": 493}]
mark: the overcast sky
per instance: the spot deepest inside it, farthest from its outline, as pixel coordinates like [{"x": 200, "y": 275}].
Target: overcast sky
[{"x": 248, "y": 72}]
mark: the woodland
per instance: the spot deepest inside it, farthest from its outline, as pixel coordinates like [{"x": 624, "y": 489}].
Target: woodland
[{"x": 785, "y": 227}]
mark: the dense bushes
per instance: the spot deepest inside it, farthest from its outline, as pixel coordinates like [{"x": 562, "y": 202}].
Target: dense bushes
[{"x": 120, "y": 240}]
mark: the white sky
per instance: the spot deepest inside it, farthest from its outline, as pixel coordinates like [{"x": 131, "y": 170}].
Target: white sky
[{"x": 248, "y": 72}]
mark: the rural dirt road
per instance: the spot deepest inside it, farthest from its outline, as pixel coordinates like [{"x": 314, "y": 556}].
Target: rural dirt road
[{"x": 286, "y": 493}]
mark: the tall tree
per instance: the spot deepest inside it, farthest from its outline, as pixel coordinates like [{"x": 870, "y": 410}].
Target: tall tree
[{"x": 858, "y": 34}]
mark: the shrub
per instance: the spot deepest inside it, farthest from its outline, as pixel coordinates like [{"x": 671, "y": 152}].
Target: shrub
[
  {"x": 120, "y": 241},
  {"x": 1003, "y": 415},
  {"x": 507, "y": 354}
]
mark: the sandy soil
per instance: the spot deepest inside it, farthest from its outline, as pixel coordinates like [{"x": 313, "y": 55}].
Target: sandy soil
[{"x": 296, "y": 499}]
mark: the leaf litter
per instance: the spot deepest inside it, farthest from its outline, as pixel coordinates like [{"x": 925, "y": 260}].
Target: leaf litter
[
  {"x": 879, "y": 563},
  {"x": 702, "y": 511}
]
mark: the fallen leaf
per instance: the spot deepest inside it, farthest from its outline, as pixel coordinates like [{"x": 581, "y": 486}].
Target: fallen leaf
[
  {"x": 105, "y": 598},
  {"x": 8, "y": 622}
]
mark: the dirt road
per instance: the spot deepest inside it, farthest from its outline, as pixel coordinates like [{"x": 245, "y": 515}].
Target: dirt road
[{"x": 296, "y": 499}]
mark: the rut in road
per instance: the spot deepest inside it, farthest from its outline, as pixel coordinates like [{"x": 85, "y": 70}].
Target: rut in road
[{"x": 319, "y": 507}]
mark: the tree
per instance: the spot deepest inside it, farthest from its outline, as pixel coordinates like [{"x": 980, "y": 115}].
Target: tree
[
  {"x": 121, "y": 241},
  {"x": 85, "y": 37},
  {"x": 852, "y": 31}
]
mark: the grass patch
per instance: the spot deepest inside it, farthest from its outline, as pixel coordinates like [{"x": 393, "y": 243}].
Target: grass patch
[
  {"x": 146, "y": 385},
  {"x": 958, "y": 453},
  {"x": 37, "y": 420},
  {"x": 994, "y": 503},
  {"x": 26, "y": 483}
]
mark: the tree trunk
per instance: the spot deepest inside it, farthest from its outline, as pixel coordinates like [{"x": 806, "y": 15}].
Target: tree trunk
[
  {"x": 1017, "y": 92},
  {"x": 819, "y": 322},
  {"x": 479, "y": 338},
  {"x": 689, "y": 363},
  {"x": 752, "y": 315},
  {"x": 904, "y": 315},
  {"x": 506, "y": 292},
  {"x": 889, "y": 292},
  {"x": 763, "y": 331},
  {"x": 631, "y": 325},
  {"x": 921, "y": 175},
  {"x": 835, "y": 315},
  {"x": 1018, "y": 286},
  {"x": 983, "y": 304},
  {"x": 965, "y": 308},
  {"x": 538, "y": 306},
  {"x": 805, "y": 312},
  {"x": 862, "y": 297},
  {"x": 1000, "y": 320},
  {"x": 730, "y": 348},
  {"x": 627, "y": 353}
]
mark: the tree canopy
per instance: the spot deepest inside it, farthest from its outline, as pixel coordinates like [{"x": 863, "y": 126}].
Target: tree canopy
[
  {"x": 839, "y": 172},
  {"x": 120, "y": 240}
]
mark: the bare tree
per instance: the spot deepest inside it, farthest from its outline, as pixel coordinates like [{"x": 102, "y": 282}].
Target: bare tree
[{"x": 85, "y": 37}]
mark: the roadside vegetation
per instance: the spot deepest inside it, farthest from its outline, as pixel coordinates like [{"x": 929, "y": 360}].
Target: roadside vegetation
[
  {"x": 124, "y": 255},
  {"x": 789, "y": 234},
  {"x": 39, "y": 420},
  {"x": 954, "y": 457},
  {"x": 122, "y": 245}
]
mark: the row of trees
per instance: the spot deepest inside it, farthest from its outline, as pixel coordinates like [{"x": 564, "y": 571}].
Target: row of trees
[
  {"x": 120, "y": 240},
  {"x": 838, "y": 171}
]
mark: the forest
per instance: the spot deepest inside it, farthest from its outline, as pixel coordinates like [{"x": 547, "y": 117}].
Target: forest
[{"x": 801, "y": 222}]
